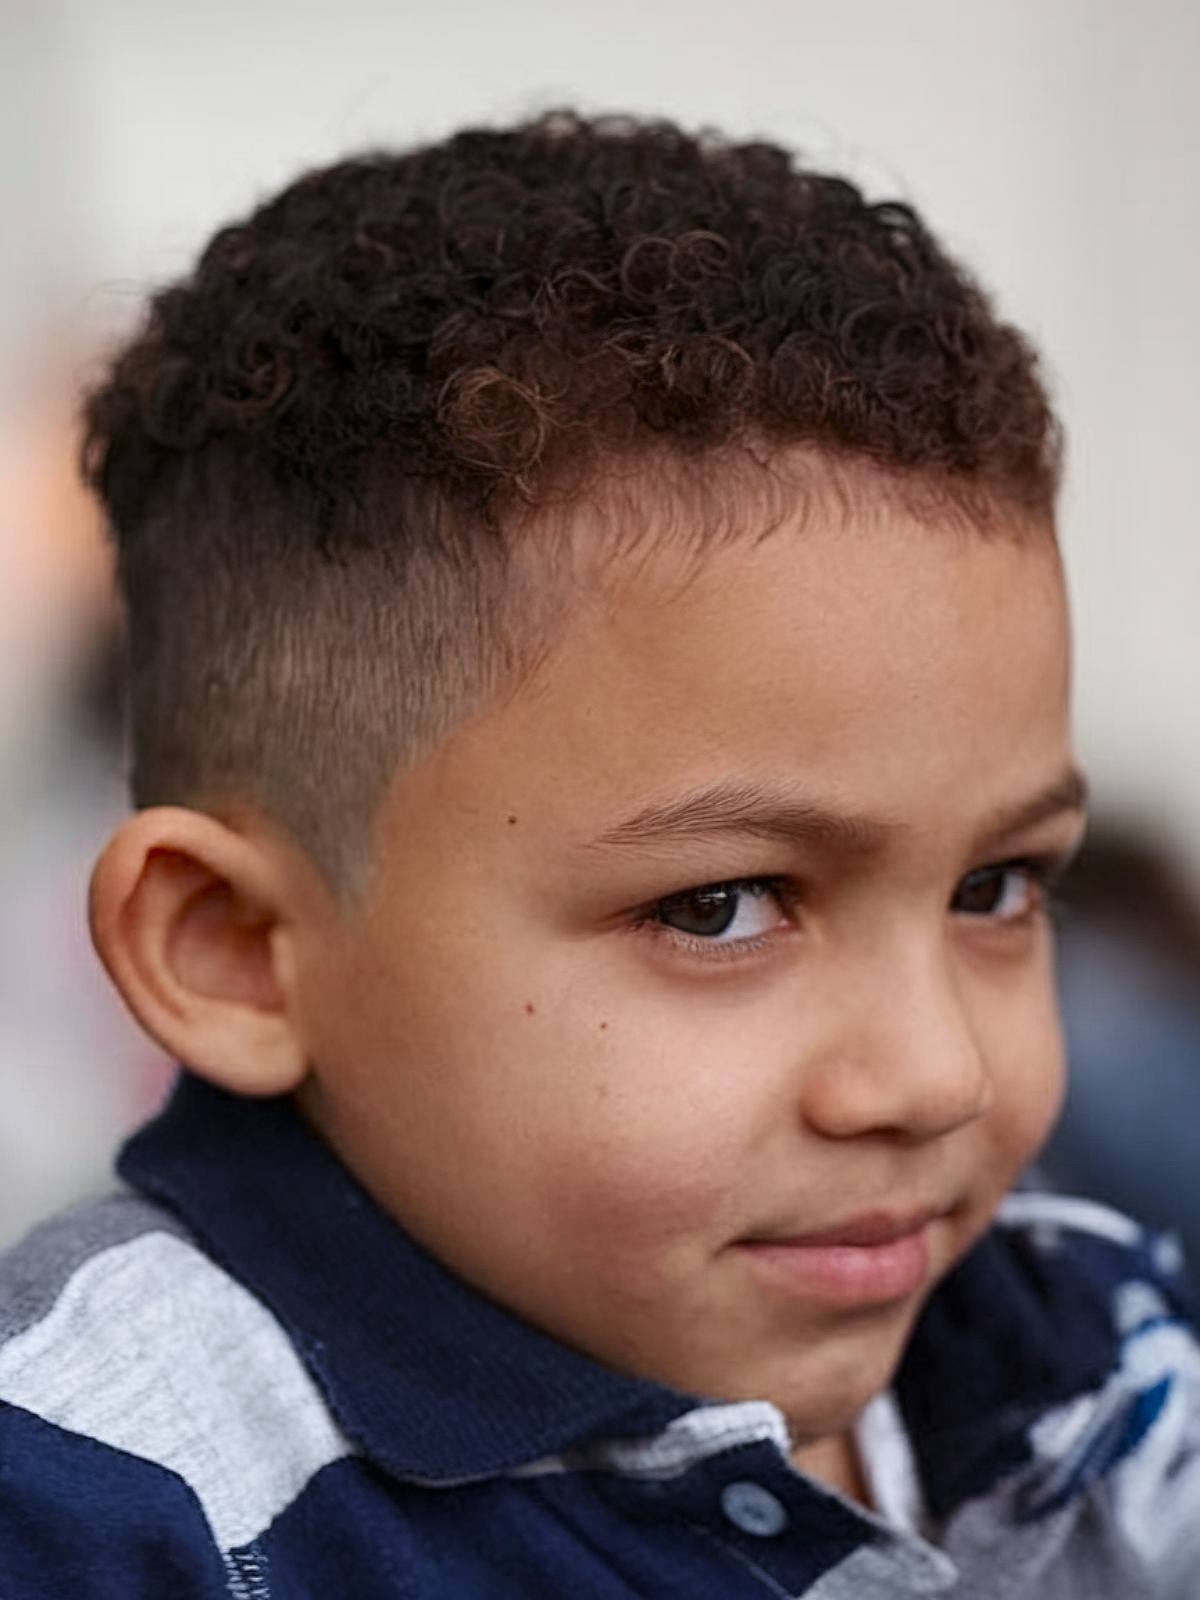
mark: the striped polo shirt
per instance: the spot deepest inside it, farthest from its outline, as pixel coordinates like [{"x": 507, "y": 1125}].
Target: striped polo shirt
[{"x": 237, "y": 1377}]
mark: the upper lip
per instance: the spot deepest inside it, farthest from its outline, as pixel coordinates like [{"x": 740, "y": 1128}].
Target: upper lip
[{"x": 869, "y": 1228}]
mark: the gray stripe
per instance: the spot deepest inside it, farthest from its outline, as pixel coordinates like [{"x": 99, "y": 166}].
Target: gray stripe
[
  {"x": 34, "y": 1272},
  {"x": 1078, "y": 1551},
  {"x": 898, "y": 1568},
  {"x": 152, "y": 1349}
]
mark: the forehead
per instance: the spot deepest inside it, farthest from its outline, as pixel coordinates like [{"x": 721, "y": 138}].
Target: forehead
[
  {"x": 888, "y": 665},
  {"x": 821, "y": 637}
]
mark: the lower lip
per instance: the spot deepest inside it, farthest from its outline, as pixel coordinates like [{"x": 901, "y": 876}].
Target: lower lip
[{"x": 847, "y": 1274}]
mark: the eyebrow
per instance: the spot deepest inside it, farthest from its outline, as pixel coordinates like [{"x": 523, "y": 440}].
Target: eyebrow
[{"x": 780, "y": 816}]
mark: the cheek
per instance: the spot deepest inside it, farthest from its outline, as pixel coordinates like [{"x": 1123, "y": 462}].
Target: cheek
[
  {"x": 646, "y": 1167},
  {"x": 658, "y": 1155},
  {"x": 605, "y": 1143},
  {"x": 630, "y": 1193},
  {"x": 1032, "y": 1086}
]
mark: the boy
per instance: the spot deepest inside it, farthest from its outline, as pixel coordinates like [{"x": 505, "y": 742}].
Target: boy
[{"x": 598, "y": 685}]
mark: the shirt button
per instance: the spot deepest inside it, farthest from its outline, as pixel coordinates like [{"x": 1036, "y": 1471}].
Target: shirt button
[{"x": 753, "y": 1509}]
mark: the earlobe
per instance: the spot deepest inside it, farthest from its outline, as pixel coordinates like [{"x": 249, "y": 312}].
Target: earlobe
[{"x": 189, "y": 917}]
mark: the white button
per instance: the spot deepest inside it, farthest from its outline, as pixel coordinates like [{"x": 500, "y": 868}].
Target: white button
[{"x": 753, "y": 1509}]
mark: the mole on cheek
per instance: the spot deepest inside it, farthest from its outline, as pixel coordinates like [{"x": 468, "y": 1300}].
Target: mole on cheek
[
  {"x": 529, "y": 1008},
  {"x": 603, "y": 1025},
  {"x": 511, "y": 820}
]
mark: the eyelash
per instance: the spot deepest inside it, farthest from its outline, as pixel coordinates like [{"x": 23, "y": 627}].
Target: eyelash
[{"x": 1045, "y": 874}]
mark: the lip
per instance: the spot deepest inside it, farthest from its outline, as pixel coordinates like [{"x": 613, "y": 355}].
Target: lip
[
  {"x": 870, "y": 1259},
  {"x": 861, "y": 1232}
]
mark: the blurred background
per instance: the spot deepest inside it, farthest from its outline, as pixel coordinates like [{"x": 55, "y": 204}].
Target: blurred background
[{"x": 1054, "y": 144}]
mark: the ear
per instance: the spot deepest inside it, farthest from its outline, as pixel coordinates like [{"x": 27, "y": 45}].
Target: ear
[{"x": 191, "y": 919}]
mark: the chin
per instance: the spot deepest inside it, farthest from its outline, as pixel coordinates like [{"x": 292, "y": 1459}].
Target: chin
[{"x": 824, "y": 1392}]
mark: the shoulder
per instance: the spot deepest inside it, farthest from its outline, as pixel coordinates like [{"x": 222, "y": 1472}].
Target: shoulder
[
  {"x": 1042, "y": 1307},
  {"x": 128, "y": 1357},
  {"x": 1132, "y": 1435},
  {"x": 1076, "y": 1253},
  {"x": 34, "y": 1272}
]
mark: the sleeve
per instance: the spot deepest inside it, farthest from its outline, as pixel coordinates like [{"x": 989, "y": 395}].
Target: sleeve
[
  {"x": 81, "y": 1519},
  {"x": 1122, "y": 1305},
  {"x": 1147, "y": 1428},
  {"x": 1158, "y": 1492}
]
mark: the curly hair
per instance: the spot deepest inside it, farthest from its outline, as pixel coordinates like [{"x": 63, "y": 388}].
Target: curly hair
[{"x": 311, "y": 452}]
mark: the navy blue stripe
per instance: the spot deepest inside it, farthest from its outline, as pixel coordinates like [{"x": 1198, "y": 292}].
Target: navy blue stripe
[{"x": 80, "y": 1519}]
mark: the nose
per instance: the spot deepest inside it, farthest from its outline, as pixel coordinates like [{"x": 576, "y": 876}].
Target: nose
[{"x": 909, "y": 1064}]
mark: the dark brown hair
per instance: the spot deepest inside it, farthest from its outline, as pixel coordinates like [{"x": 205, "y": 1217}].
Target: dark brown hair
[{"x": 315, "y": 451}]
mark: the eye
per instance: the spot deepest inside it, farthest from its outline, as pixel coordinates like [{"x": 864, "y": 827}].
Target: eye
[
  {"x": 1008, "y": 892},
  {"x": 721, "y": 913}
]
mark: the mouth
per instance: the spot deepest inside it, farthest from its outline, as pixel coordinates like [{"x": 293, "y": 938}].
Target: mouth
[{"x": 868, "y": 1260}]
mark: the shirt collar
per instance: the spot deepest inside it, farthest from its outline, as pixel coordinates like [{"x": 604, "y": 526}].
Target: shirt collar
[
  {"x": 433, "y": 1380},
  {"x": 436, "y": 1382}
]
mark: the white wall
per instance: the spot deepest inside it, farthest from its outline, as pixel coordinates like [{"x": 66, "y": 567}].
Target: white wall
[{"x": 1053, "y": 142}]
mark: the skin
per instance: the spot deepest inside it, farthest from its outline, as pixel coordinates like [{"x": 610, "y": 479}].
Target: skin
[{"x": 587, "y": 1113}]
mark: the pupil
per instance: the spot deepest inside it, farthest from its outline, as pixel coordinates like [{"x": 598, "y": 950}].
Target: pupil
[
  {"x": 706, "y": 912},
  {"x": 980, "y": 892}
]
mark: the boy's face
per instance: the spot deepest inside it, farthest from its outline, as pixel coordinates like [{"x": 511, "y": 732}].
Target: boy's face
[{"x": 726, "y": 1139}]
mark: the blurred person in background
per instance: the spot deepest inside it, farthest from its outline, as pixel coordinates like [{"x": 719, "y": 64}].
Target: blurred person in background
[
  {"x": 75, "y": 1073},
  {"x": 1129, "y": 983}
]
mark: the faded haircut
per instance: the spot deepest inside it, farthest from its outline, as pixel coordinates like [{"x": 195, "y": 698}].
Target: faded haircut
[{"x": 319, "y": 450}]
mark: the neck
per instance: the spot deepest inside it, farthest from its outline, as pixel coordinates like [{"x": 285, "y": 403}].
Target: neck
[{"x": 834, "y": 1461}]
